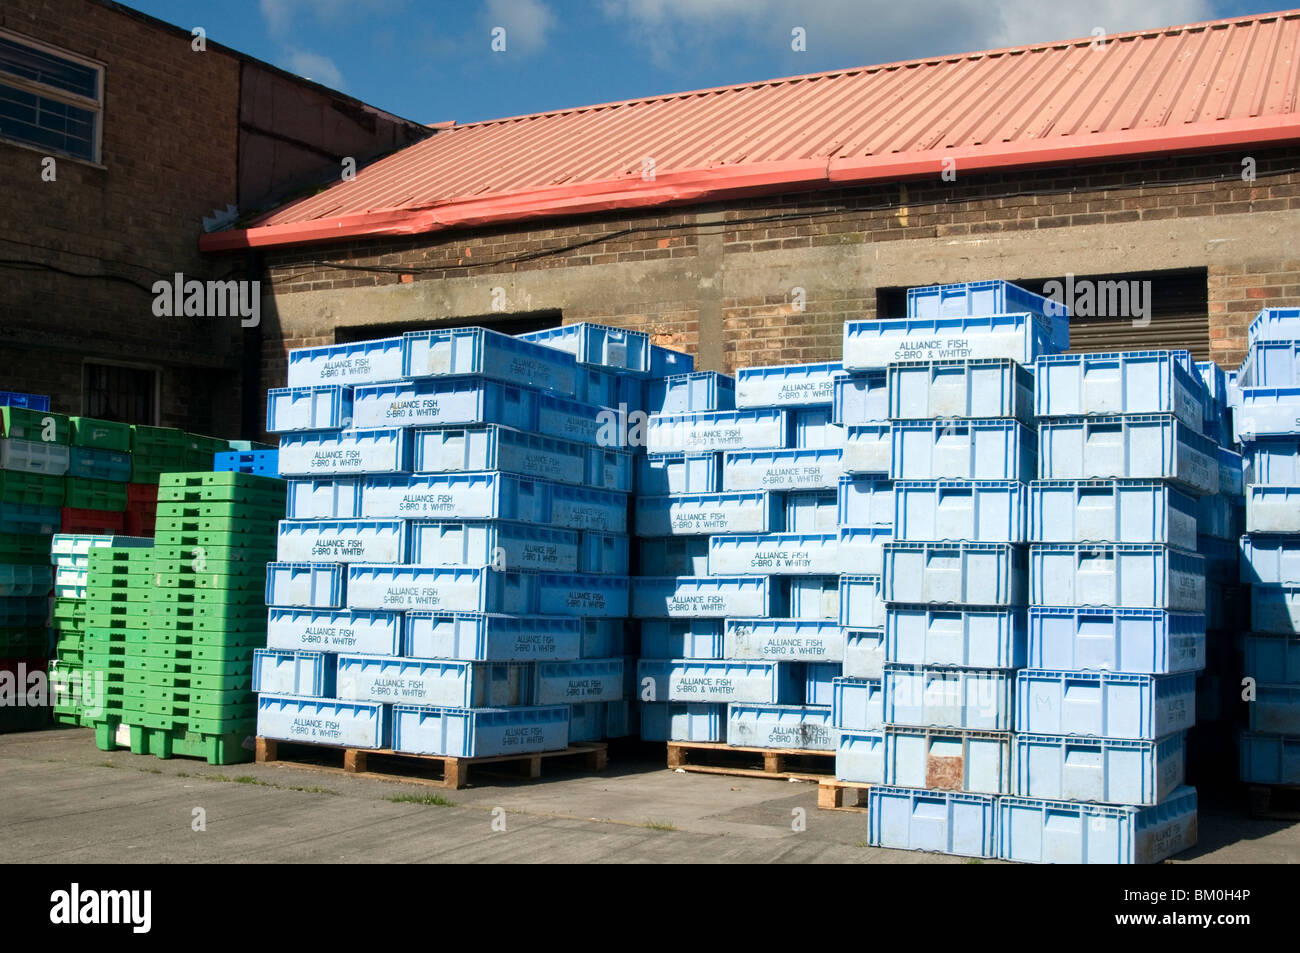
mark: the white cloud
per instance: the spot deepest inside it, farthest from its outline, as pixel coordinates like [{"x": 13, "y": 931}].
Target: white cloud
[
  {"x": 527, "y": 23},
  {"x": 282, "y": 16},
  {"x": 314, "y": 66},
  {"x": 862, "y": 33}
]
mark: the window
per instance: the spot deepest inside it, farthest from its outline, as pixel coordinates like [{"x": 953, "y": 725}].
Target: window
[
  {"x": 49, "y": 99},
  {"x": 120, "y": 392}
]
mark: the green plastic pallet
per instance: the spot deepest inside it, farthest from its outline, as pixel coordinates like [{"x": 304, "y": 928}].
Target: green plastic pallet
[
  {"x": 194, "y": 637},
  {"x": 222, "y": 510},
  {"x": 210, "y": 597},
  {"x": 234, "y": 747},
  {"x": 204, "y": 653}
]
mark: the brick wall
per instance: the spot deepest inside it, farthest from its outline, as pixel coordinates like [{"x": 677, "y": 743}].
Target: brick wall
[{"x": 770, "y": 327}]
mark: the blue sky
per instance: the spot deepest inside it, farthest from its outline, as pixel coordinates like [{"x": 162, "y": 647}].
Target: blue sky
[{"x": 432, "y": 60}]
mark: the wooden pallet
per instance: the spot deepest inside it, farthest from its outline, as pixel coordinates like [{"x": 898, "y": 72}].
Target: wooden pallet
[
  {"x": 708, "y": 757},
  {"x": 836, "y": 795},
  {"x": 400, "y": 765},
  {"x": 1275, "y": 802}
]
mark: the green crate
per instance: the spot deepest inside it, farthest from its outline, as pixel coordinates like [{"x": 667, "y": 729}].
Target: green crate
[
  {"x": 101, "y": 434},
  {"x": 43, "y": 426},
  {"x": 27, "y": 549},
  {"x": 85, "y": 494},
  {"x": 33, "y": 489},
  {"x": 156, "y": 441},
  {"x": 23, "y": 642}
]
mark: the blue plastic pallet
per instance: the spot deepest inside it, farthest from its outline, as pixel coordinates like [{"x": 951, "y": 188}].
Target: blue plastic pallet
[
  {"x": 987, "y": 511},
  {"x": 25, "y": 519},
  {"x": 684, "y": 638},
  {"x": 800, "y": 727},
  {"x": 985, "y": 449},
  {"x": 707, "y": 514},
  {"x": 1104, "y": 704},
  {"x": 480, "y": 733},
  {"x": 1123, "y": 382},
  {"x": 491, "y": 637},
  {"x": 584, "y": 423},
  {"x": 997, "y": 387},
  {"x": 1128, "y": 575},
  {"x": 814, "y": 597},
  {"x": 1275, "y": 609},
  {"x": 1140, "y": 446},
  {"x": 323, "y": 407},
  {"x": 323, "y": 498},
  {"x": 664, "y": 474},
  {"x": 873, "y": 345},
  {"x": 363, "y": 362},
  {"x": 1271, "y": 658},
  {"x": 687, "y": 393},
  {"x": 348, "y": 453},
  {"x": 780, "y": 640},
  {"x": 334, "y": 630},
  {"x": 502, "y": 544},
  {"x": 1106, "y": 770},
  {"x": 1113, "y": 511},
  {"x": 256, "y": 462},
  {"x": 700, "y": 597},
  {"x": 1119, "y": 640},
  {"x": 1038, "y": 831},
  {"x": 970, "y": 637},
  {"x": 943, "y": 822},
  {"x": 948, "y": 759},
  {"x": 1276, "y": 708},
  {"x": 488, "y": 494},
  {"x": 294, "y": 672},
  {"x": 323, "y": 721},
  {"x": 402, "y": 588},
  {"x": 993, "y": 296},
  {"x": 488, "y": 354},
  {"x": 945, "y": 573},
  {"x": 787, "y": 385},
  {"x": 861, "y": 399},
  {"x": 606, "y": 389},
  {"x": 683, "y": 721},
  {"x": 444, "y": 402},
  {"x": 796, "y": 469}
]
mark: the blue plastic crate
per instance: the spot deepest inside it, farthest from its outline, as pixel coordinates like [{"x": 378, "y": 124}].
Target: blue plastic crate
[
  {"x": 578, "y": 681},
  {"x": 865, "y": 501},
  {"x": 349, "y": 453},
  {"x": 956, "y": 574},
  {"x": 480, "y": 733},
  {"x": 806, "y": 469},
  {"x": 19, "y": 581},
  {"x": 868, "y": 449},
  {"x": 603, "y": 638},
  {"x": 818, "y": 687},
  {"x": 615, "y": 348},
  {"x": 590, "y": 510},
  {"x": 24, "y": 612},
  {"x": 1038, "y": 831},
  {"x": 1274, "y": 324},
  {"x": 10, "y": 398},
  {"x": 811, "y": 511},
  {"x": 1272, "y": 509},
  {"x": 1273, "y": 460},
  {"x": 977, "y": 762},
  {"x": 256, "y": 462},
  {"x": 491, "y": 637},
  {"x": 706, "y": 514},
  {"x": 674, "y": 556},
  {"x": 1268, "y": 759},
  {"x": 684, "y": 638},
  {"x": 862, "y": 549},
  {"x": 1216, "y": 387},
  {"x": 687, "y": 393},
  {"x": 89, "y": 464},
  {"x": 1127, "y": 575},
  {"x": 449, "y": 401},
  {"x": 774, "y": 554},
  {"x": 814, "y": 429},
  {"x": 788, "y": 727},
  {"x": 993, "y": 296},
  {"x": 1142, "y": 446},
  {"x": 290, "y": 672},
  {"x": 363, "y": 362},
  {"x": 1276, "y": 708},
  {"x": 306, "y": 585},
  {"x": 331, "y": 630},
  {"x": 986, "y": 511},
  {"x": 717, "y": 430},
  {"x": 583, "y": 595},
  {"x": 587, "y": 722},
  {"x": 943, "y": 822},
  {"x": 475, "y": 495},
  {"x": 1232, "y": 472},
  {"x": 720, "y": 681},
  {"x": 1123, "y": 382},
  {"x": 25, "y": 519},
  {"x": 342, "y": 541},
  {"x": 323, "y": 499},
  {"x": 700, "y": 597},
  {"x": 861, "y": 399},
  {"x": 780, "y": 640},
  {"x": 584, "y": 423},
  {"x": 1112, "y": 511},
  {"x": 1271, "y": 658},
  {"x": 860, "y": 757},
  {"x": 1221, "y": 517},
  {"x": 32, "y": 456},
  {"x": 874, "y": 345},
  {"x": 606, "y": 554},
  {"x": 972, "y": 638},
  {"x": 977, "y": 699},
  {"x": 488, "y": 354},
  {"x": 864, "y": 653},
  {"x": 493, "y": 447},
  {"x": 620, "y": 719},
  {"x": 1272, "y": 364},
  {"x": 323, "y": 721},
  {"x": 323, "y": 407},
  {"x": 1266, "y": 412},
  {"x": 1104, "y": 704},
  {"x": 502, "y": 544},
  {"x": 1221, "y": 559},
  {"x": 683, "y": 721},
  {"x": 996, "y": 387},
  {"x": 451, "y": 683},
  {"x": 1119, "y": 640},
  {"x": 862, "y": 604},
  {"x": 811, "y": 597},
  {"x": 986, "y": 449},
  {"x": 1275, "y": 609},
  {"x": 604, "y": 389},
  {"x": 401, "y": 588},
  {"x": 664, "y": 474},
  {"x": 1107, "y": 770},
  {"x": 787, "y": 385},
  {"x": 857, "y": 704}
]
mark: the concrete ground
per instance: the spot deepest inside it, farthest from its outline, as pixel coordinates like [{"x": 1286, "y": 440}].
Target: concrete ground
[{"x": 65, "y": 801}]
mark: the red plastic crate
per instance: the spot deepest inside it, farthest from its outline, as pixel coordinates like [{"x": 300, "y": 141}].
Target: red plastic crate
[
  {"x": 140, "y": 524},
  {"x": 92, "y": 521},
  {"x": 141, "y": 493}
]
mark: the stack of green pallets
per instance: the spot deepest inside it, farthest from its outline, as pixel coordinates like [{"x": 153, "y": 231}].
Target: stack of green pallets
[
  {"x": 118, "y": 593},
  {"x": 192, "y": 692}
]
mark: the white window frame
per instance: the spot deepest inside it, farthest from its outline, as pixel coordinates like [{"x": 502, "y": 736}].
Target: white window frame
[{"x": 62, "y": 95}]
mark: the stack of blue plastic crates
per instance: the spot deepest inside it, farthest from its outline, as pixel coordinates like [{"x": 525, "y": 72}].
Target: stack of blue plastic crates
[
  {"x": 738, "y": 545},
  {"x": 954, "y": 584},
  {"x": 1117, "y": 623},
  {"x": 452, "y": 578},
  {"x": 1267, "y": 422}
]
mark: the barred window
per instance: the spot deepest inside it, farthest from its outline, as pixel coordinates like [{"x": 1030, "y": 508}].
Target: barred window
[{"x": 50, "y": 99}]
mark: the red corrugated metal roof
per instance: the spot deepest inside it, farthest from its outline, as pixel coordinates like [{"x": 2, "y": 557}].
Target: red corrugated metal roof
[{"x": 1208, "y": 85}]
